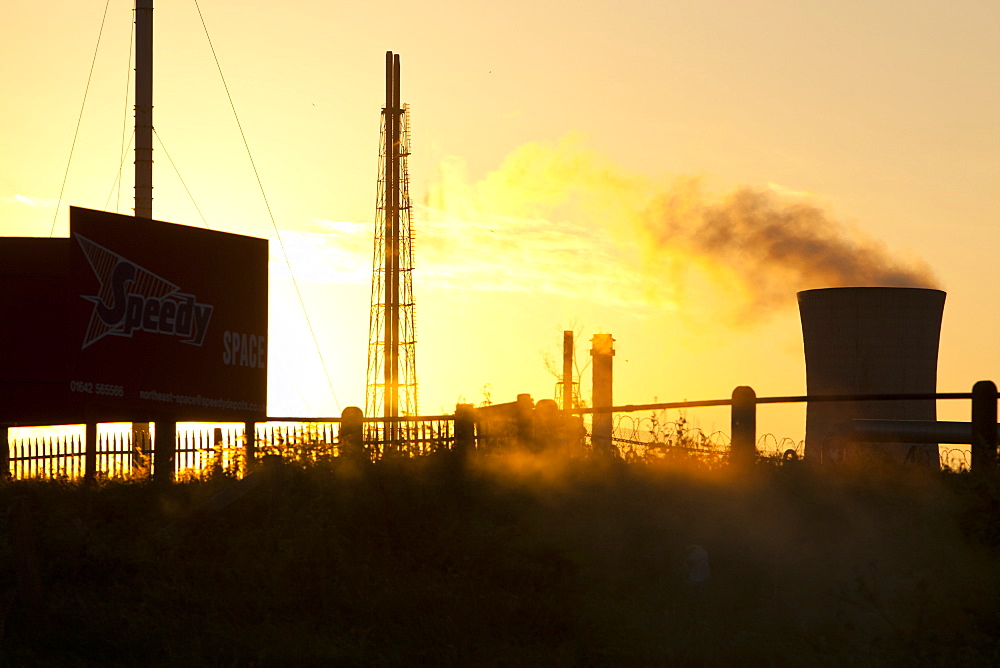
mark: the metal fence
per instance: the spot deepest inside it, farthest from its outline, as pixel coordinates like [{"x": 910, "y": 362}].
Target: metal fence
[
  {"x": 651, "y": 435},
  {"x": 642, "y": 432},
  {"x": 639, "y": 433},
  {"x": 119, "y": 456},
  {"x": 203, "y": 449},
  {"x": 411, "y": 437},
  {"x": 646, "y": 436}
]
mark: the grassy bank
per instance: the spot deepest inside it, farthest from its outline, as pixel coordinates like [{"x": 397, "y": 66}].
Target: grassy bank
[{"x": 506, "y": 561}]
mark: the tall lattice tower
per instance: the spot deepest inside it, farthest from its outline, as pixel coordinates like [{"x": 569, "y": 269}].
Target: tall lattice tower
[{"x": 391, "y": 390}]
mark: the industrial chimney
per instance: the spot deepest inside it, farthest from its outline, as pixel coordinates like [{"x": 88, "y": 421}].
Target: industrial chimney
[{"x": 870, "y": 341}]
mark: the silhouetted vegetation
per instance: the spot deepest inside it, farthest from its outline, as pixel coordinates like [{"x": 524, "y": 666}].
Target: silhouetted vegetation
[{"x": 508, "y": 561}]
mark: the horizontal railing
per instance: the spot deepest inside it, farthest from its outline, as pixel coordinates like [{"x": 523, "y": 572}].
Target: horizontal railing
[
  {"x": 816, "y": 398},
  {"x": 744, "y": 442}
]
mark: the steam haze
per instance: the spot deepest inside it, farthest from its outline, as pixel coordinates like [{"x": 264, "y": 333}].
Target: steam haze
[{"x": 561, "y": 209}]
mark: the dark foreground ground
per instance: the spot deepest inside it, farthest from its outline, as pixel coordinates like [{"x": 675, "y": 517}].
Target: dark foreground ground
[{"x": 505, "y": 562}]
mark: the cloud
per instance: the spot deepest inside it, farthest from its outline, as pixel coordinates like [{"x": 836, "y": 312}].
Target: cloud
[
  {"x": 482, "y": 251},
  {"x": 349, "y": 228},
  {"x": 333, "y": 252},
  {"x": 791, "y": 193},
  {"x": 36, "y": 202},
  {"x": 482, "y": 237},
  {"x": 542, "y": 223},
  {"x": 558, "y": 217}
]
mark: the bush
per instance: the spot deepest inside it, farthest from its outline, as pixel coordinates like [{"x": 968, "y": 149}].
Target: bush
[{"x": 520, "y": 559}]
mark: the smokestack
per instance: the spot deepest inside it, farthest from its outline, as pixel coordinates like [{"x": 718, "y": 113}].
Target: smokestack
[
  {"x": 567, "y": 379},
  {"x": 870, "y": 341},
  {"x": 603, "y": 352}
]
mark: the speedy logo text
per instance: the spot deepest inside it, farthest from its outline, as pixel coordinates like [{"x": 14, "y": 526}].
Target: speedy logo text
[{"x": 131, "y": 298}]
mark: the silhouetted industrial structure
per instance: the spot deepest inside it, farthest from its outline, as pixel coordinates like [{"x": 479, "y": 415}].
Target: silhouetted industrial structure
[
  {"x": 603, "y": 352},
  {"x": 568, "y": 387},
  {"x": 870, "y": 341},
  {"x": 391, "y": 389}
]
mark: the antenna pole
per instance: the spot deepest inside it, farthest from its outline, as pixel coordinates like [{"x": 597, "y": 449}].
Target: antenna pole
[
  {"x": 144, "y": 177},
  {"x": 391, "y": 382},
  {"x": 391, "y": 407},
  {"x": 144, "y": 108},
  {"x": 395, "y": 240}
]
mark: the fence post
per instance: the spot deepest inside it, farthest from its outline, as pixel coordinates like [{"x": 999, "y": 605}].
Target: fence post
[
  {"x": 351, "y": 435},
  {"x": 465, "y": 428},
  {"x": 743, "y": 447},
  {"x": 90, "y": 453},
  {"x": 523, "y": 409},
  {"x": 218, "y": 446},
  {"x": 140, "y": 450},
  {"x": 546, "y": 427},
  {"x": 164, "y": 450},
  {"x": 141, "y": 442},
  {"x": 984, "y": 427},
  {"x": 250, "y": 447},
  {"x": 4, "y": 451}
]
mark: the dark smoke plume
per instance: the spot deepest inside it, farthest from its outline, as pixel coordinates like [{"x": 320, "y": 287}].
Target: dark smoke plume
[{"x": 775, "y": 247}]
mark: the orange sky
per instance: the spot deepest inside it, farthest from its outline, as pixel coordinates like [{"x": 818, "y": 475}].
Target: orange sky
[{"x": 564, "y": 164}]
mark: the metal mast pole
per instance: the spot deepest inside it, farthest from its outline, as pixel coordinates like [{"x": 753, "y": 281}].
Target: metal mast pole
[
  {"x": 144, "y": 158},
  {"x": 394, "y": 313},
  {"x": 391, "y": 379},
  {"x": 144, "y": 108},
  {"x": 391, "y": 399}
]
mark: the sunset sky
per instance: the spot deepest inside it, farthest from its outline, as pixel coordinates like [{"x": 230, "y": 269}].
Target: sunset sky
[{"x": 670, "y": 172}]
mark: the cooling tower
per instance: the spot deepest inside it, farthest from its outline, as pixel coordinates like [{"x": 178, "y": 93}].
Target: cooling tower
[{"x": 870, "y": 341}]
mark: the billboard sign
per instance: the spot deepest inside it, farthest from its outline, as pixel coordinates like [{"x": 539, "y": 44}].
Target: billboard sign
[
  {"x": 34, "y": 303},
  {"x": 133, "y": 320},
  {"x": 167, "y": 320}
]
